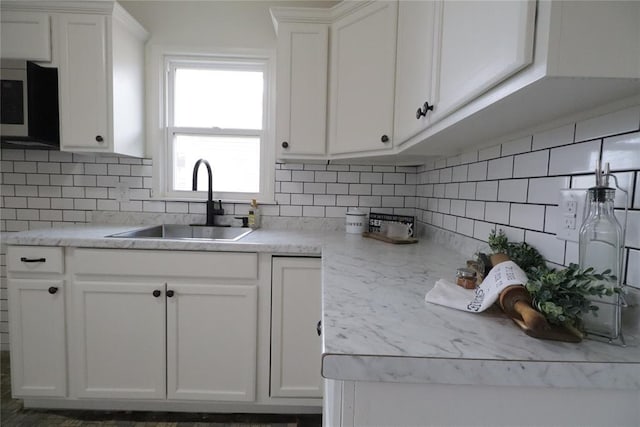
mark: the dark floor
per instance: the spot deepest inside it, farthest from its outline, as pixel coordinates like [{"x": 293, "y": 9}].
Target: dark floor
[{"x": 12, "y": 414}]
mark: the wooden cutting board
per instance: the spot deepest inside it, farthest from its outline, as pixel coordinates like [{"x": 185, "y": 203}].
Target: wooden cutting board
[{"x": 384, "y": 238}]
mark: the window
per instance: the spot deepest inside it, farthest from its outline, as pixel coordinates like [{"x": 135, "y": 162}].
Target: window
[{"x": 216, "y": 108}]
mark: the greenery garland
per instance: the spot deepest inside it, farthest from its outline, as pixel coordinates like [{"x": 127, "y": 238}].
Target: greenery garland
[{"x": 562, "y": 296}]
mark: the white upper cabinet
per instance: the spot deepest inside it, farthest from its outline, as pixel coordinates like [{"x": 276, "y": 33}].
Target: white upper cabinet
[
  {"x": 414, "y": 68},
  {"x": 98, "y": 49},
  {"x": 25, "y": 35},
  {"x": 481, "y": 44},
  {"x": 101, "y": 73},
  {"x": 302, "y": 67},
  {"x": 362, "y": 70}
]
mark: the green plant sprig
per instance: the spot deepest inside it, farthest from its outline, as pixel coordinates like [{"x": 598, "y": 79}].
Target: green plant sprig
[{"x": 562, "y": 296}]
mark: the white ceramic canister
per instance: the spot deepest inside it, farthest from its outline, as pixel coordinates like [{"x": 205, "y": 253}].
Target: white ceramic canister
[{"x": 356, "y": 222}]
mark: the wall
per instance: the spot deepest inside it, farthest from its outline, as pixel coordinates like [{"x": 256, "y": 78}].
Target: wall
[{"x": 515, "y": 186}]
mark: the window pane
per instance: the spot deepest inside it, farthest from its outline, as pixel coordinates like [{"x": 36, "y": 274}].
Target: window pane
[
  {"x": 235, "y": 163},
  {"x": 227, "y": 99}
]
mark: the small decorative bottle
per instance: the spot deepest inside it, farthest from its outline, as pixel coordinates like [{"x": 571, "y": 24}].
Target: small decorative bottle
[
  {"x": 600, "y": 247},
  {"x": 254, "y": 215}
]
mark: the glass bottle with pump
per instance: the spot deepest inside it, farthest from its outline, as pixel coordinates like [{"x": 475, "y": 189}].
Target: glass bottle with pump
[{"x": 600, "y": 247}]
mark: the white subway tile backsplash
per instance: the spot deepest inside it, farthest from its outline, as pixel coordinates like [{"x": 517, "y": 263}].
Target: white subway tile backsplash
[
  {"x": 370, "y": 201},
  {"x": 27, "y": 214},
  {"x": 625, "y": 181},
  {"x": 349, "y": 201},
  {"x": 527, "y": 216},
  {"x": 283, "y": 175},
  {"x": 554, "y": 137},
  {"x": 437, "y": 219},
  {"x": 487, "y": 190},
  {"x": 438, "y": 190},
  {"x": 360, "y": 189},
  {"x": 459, "y": 173},
  {"x": 348, "y": 177},
  {"x": 482, "y": 230},
  {"x": 451, "y": 190},
  {"x": 313, "y": 211},
  {"x": 467, "y": 190},
  {"x": 517, "y": 146},
  {"x": 72, "y": 168},
  {"x": 550, "y": 248},
  {"x": 62, "y": 180},
  {"x": 50, "y": 215},
  {"x": 464, "y": 226},
  {"x": 371, "y": 178},
  {"x": 38, "y": 203},
  {"x": 513, "y": 190},
  {"x": 37, "y": 155},
  {"x": 322, "y": 176},
  {"x": 382, "y": 189},
  {"x": 546, "y": 190},
  {"x": 324, "y": 199},
  {"x": 46, "y": 191},
  {"x": 361, "y": 168},
  {"x": 333, "y": 188},
  {"x": 469, "y": 157},
  {"x": 14, "y": 178},
  {"x": 85, "y": 204},
  {"x": 489, "y": 153},
  {"x": 153, "y": 206},
  {"x": 475, "y": 210},
  {"x": 477, "y": 171},
  {"x": 458, "y": 207},
  {"x": 622, "y": 152},
  {"x": 25, "y": 167},
  {"x": 500, "y": 168},
  {"x": 302, "y": 199},
  {"x": 63, "y": 204},
  {"x": 33, "y": 179},
  {"x": 85, "y": 180},
  {"x": 531, "y": 164},
  {"x": 13, "y": 155},
  {"x": 512, "y": 233},
  {"x": 571, "y": 253},
  {"x": 444, "y": 206},
  {"x": 446, "y": 175},
  {"x": 636, "y": 198},
  {"x": 551, "y": 224},
  {"x": 497, "y": 212},
  {"x": 291, "y": 187},
  {"x": 576, "y": 158},
  {"x": 335, "y": 211},
  {"x": 392, "y": 201},
  {"x": 25, "y": 191},
  {"x": 303, "y": 176},
  {"x": 73, "y": 192},
  {"x": 633, "y": 227},
  {"x": 175, "y": 207},
  {"x": 449, "y": 222},
  {"x": 633, "y": 271},
  {"x": 393, "y": 178},
  {"x": 627, "y": 120},
  {"x": 338, "y": 168}
]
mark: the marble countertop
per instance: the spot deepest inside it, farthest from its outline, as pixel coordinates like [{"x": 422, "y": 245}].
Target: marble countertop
[{"x": 377, "y": 327}]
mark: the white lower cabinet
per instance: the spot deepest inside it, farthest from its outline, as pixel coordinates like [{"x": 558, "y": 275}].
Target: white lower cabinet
[
  {"x": 296, "y": 346},
  {"x": 120, "y": 339},
  {"x": 143, "y": 327},
  {"x": 36, "y": 291},
  {"x": 211, "y": 342}
]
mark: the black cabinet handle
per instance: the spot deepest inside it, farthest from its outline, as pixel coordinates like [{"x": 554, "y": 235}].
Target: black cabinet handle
[
  {"x": 52, "y": 290},
  {"x": 24, "y": 259},
  {"x": 157, "y": 293},
  {"x": 422, "y": 111},
  {"x": 285, "y": 144},
  {"x": 170, "y": 293},
  {"x": 319, "y": 327},
  {"x": 384, "y": 138},
  {"x": 99, "y": 138}
]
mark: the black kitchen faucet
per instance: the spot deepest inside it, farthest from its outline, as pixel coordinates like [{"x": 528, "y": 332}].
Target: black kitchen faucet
[{"x": 211, "y": 204}]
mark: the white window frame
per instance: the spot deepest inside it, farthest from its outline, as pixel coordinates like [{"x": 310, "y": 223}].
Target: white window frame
[{"x": 161, "y": 131}]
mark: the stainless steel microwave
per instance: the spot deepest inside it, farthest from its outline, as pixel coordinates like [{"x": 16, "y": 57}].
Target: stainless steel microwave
[{"x": 29, "y": 113}]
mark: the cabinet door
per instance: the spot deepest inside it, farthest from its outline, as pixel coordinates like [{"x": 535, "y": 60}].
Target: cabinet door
[
  {"x": 25, "y": 35},
  {"x": 211, "y": 342},
  {"x": 414, "y": 67},
  {"x": 119, "y": 331},
  {"x": 37, "y": 327},
  {"x": 296, "y": 347},
  {"x": 481, "y": 44},
  {"x": 84, "y": 82},
  {"x": 301, "y": 109},
  {"x": 362, "y": 79}
]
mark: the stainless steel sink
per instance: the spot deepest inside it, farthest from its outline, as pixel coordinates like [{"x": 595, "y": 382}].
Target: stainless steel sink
[{"x": 179, "y": 232}]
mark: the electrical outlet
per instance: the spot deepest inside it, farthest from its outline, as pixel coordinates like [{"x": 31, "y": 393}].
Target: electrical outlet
[{"x": 571, "y": 213}]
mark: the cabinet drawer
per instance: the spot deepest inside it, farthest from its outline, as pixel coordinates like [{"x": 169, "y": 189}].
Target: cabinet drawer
[
  {"x": 35, "y": 259},
  {"x": 223, "y": 265}
]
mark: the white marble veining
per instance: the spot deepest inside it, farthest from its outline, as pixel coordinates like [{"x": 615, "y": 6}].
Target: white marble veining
[{"x": 377, "y": 327}]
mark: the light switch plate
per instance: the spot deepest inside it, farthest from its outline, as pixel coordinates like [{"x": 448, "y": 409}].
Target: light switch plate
[{"x": 571, "y": 212}]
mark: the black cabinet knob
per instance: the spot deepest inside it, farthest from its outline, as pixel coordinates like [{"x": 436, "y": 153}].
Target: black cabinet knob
[
  {"x": 319, "y": 327},
  {"x": 285, "y": 144},
  {"x": 157, "y": 293},
  {"x": 99, "y": 138},
  {"x": 170, "y": 293},
  {"x": 384, "y": 138},
  {"x": 52, "y": 290}
]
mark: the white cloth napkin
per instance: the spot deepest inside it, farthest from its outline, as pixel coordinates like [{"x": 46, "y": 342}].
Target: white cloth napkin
[{"x": 476, "y": 300}]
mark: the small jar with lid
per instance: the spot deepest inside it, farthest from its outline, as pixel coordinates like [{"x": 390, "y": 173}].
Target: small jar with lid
[{"x": 466, "y": 278}]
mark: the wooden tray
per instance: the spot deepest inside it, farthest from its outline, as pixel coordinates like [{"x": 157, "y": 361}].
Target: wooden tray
[{"x": 384, "y": 238}]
